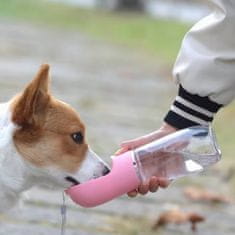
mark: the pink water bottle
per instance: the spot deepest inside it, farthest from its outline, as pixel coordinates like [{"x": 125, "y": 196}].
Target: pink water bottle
[{"x": 182, "y": 153}]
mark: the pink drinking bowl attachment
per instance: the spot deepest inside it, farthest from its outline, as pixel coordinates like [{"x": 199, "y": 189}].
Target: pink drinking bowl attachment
[{"x": 122, "y": 179}]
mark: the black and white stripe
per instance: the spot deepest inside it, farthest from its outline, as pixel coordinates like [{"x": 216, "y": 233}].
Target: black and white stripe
[{"x": 190, "y": 110}]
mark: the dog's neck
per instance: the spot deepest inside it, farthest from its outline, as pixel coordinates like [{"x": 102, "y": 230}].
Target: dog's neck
[{"x": 14, "y": 172}]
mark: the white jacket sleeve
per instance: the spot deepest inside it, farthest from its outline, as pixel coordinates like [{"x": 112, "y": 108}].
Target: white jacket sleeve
[{"x": 205, "y": 68}]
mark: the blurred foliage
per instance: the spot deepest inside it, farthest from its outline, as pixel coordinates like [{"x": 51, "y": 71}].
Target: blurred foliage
[
  {"x": 161, "y": 38},
  {"x": 225, "y": 126}
]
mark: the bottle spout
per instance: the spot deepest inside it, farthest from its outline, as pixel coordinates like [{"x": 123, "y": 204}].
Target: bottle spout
[{"x": 121, "y": 179}]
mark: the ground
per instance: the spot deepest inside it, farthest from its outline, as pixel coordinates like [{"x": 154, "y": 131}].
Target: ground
[{"x": 120, "y": 94}]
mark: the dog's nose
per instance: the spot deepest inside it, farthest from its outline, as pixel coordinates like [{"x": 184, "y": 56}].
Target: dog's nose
[{"x": 105, "y": 171}]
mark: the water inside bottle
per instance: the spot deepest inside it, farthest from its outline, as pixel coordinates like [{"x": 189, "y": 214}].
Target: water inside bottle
[{"x": 185, "y": 152}]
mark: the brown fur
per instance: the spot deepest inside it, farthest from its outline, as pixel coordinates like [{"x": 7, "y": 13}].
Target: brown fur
[
  {"x": 46, "y": 125},
  {"x": 178, "y": 217}
]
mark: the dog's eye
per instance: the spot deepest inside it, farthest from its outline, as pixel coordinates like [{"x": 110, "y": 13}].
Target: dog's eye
[{"x": 77, "y": 137}]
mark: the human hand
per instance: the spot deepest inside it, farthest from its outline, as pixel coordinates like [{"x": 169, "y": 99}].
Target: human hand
[{"x": 155, "y": 182}]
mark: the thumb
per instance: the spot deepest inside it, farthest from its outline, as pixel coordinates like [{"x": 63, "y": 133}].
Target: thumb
[
  {"x": 132, "y": 144},
  {"x": 120, "y": 151}
]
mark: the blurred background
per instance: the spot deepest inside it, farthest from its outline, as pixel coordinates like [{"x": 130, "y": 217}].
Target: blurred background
[{"x": 112, "y": 61}]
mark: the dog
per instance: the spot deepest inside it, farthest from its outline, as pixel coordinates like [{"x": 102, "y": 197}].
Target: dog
[{"x": 42, "y": 142}]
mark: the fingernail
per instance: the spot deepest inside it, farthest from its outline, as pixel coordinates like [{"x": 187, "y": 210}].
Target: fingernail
[
  {"x": 133, "y": 194},
  {"x": 118, "y": 152}
]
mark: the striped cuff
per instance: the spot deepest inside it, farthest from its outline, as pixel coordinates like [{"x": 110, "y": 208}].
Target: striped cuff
[{"x": 190, "y": 110}]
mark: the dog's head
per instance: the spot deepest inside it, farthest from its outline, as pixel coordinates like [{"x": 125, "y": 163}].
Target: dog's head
[{"x": 51, "y": 137}]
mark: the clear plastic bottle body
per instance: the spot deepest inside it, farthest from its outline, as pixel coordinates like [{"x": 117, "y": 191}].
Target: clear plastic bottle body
[{"x": 182, "y": 153}]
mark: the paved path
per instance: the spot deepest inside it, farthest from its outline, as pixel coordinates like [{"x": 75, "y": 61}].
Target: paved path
[{"x": 120, "y": 94}]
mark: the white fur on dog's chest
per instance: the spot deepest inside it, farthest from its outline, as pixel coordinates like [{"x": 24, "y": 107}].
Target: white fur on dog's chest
[{"x": 11, "y": 164}]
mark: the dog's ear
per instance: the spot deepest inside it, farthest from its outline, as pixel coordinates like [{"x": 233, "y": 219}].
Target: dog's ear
[{"x": 30, "y": 107}]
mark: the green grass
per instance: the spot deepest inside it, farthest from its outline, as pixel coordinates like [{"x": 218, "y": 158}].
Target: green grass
[
  {"x": 225, "y": 129},
  {"x": 161, "y": 38}
]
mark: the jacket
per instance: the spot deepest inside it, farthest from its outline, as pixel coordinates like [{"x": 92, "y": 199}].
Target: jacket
[{"x": 205, "y": 68}]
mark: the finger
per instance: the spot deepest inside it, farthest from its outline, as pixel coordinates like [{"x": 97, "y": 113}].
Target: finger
[
  {"x": 132, "y": 193},
  {"x": 153, "y": 184},
  {"x": 120, "y": 151},
  {"x": 163, "y": 182},
  {"x": 132, "y": 144},
  {"x": 143, "y": 188},
  {"x": 137, "y": 142}
]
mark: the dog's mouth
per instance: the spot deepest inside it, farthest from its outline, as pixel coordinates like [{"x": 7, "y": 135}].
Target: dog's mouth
[{"x": 72, "y": 180}]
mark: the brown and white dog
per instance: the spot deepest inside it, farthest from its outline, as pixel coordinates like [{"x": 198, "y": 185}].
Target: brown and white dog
[{"x": 42, "y": 142}]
